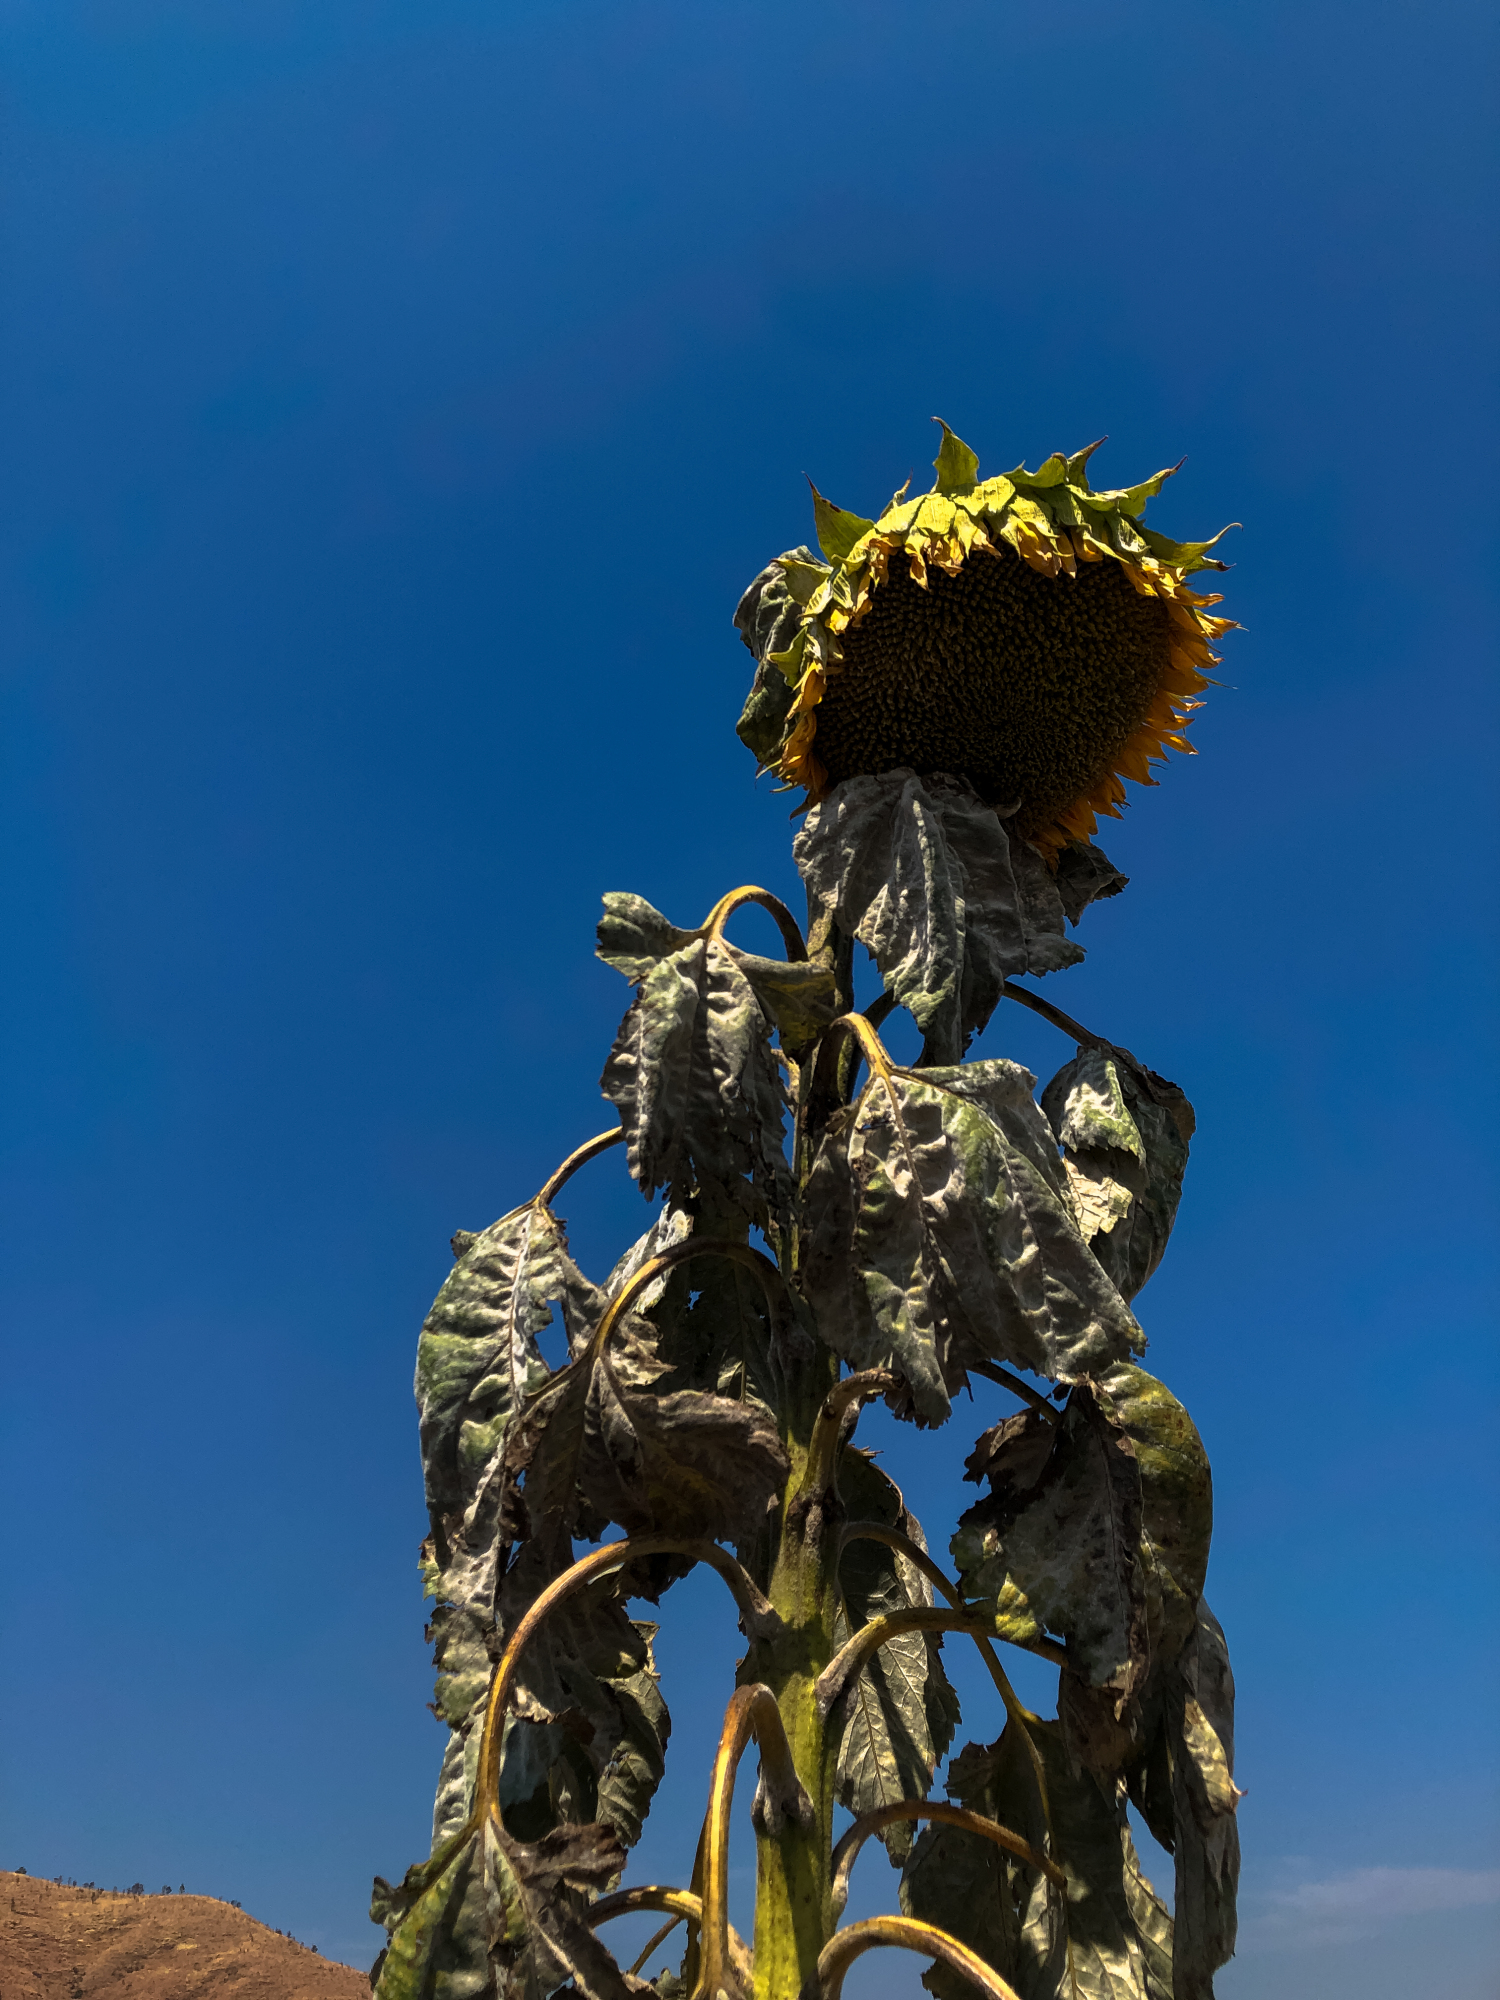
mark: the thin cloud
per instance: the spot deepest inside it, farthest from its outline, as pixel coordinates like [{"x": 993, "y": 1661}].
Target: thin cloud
[{"x": 1362, "y": 1900}]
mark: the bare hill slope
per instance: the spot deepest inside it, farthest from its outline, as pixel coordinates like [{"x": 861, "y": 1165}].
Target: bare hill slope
[{"x": 92, "y": 1944}]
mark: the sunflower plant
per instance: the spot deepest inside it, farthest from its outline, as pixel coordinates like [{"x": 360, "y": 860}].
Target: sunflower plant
[{"x": 960, "y": 686}]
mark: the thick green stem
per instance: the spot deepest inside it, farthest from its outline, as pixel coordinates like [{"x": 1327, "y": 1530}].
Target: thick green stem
[{"x": 793, "y": 1902}]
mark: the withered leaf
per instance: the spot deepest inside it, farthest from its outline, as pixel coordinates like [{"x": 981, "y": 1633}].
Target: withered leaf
[
  {"x": 767, "y": 618},
  {"x": 948, "y": 902},
  {"x": 797, "y": 996},
  {"x": 900, "y": 1714},
  {"x": 1085, "y": 875},
  {"x": 1184, "y": 1787},
  {"x": 1066, "y": 1550},
  {"x": 940, "y": 1233},
  {"x": 1125, "y": 1131},
  {"x": 696, "y": 1084},
  {"x": 1109, "y": 1923},
  {"x": 490, "y": 1917},
  {"x": 1096, "y": 1529}
]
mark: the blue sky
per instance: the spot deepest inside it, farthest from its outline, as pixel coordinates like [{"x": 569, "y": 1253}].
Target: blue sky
[{"x": 397, "y": 398}]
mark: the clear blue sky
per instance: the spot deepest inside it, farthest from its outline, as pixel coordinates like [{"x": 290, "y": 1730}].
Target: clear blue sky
[{"x": 397, "y": 397}]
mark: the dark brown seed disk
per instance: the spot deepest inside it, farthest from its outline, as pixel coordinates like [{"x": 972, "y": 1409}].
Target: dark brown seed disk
[{"x": 1027, "y": 685}]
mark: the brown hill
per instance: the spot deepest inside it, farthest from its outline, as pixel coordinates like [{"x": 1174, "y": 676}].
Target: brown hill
[{"x": 92, "y": 1944}]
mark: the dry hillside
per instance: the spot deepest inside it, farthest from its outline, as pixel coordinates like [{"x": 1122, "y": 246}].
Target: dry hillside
[{"x": 93, "y": 1944}]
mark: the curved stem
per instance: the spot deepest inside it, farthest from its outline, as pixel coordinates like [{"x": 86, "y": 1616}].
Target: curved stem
[
  {"x": 751, "y": 1712},
  {"x": 680, "y": 1253},
  {"x": 841, "y": 1670},
  {"x": 1016, "y": 1386},
  {"x": 589, "y": 1150},
  {"x": 858, "y": 1029},
  {"x": 713, "y": 924},
  {"x": 1081, "y": 1035},
  {"x": 656, "y": 1938},
  {"x": 684, "y": 1906},
  {"x": 682, "y": 1903},
  {"x": 878, "y": 1009},
  {"x": 905, "y": 1934},
  {"x": 1015, "y": 1708},
  {"x": 818, "y": 1474},
  {"x": 753, "y": 1608},
  {"x": 847, "y": 1852}
]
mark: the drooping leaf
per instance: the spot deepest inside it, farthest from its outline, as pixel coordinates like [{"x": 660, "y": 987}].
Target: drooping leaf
[
  {"x": 1067, "y": 1546},
  {"x": 1126, "y": 1131},
  {"x": 768, "y": 619},
  {"x": 1184, "y": 1787},
  {"x": 900, "y": 1714},
  {"x": 939, "y": 1233},
  {"x": 797, "y": 996},
  {"x": 477, "y": 1357},
  {"x": 634, "y": 937},
  {"x": 1085, "y": 874},
  {"x": 494, "y": 1918},
  {"x": 947, "y": 901},
  {"x": 1096, "y": 1529},
  {"x": 969, "y": 1888},
  {"x": 1105, "y": 1938},
  {"x": 696, "y": 1084}
]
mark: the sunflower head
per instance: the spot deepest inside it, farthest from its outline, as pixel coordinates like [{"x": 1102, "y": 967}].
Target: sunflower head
[{"x": 1023, "y": 632}]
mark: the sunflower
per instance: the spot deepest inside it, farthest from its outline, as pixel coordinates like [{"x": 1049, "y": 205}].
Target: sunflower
[{"x": 1024, "y": 632}]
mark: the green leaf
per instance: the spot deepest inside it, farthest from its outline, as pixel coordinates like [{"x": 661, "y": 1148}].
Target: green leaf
[
  {"x": 1106, "y": 1938},
  {"x": 1098, "y": 1527},
  {"x": 939, "y": 1233},
  {"x": 926, "y": 876},
  {"x": 837, "y": 529},
  {"x": 1125, "y": 1167},
  {"x": 494, "y": 1918},
  {"x": 696, "y": 1084},
  {"x": 1176, "y": 1499},
  {"x": 900, "y": 1714},
  {"x": 956, "y": 466}
]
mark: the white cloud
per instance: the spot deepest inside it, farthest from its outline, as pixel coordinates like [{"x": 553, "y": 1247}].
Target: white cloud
[{"x": 1357, "y": 1902}]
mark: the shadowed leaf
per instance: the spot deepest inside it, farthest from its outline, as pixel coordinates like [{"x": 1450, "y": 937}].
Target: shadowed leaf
[
  {"x": 494, "y": 1918},
  {"x": 1107, "y": 1938},
  {"x": 900, "y": 1714},
  {"x": 940, "y": 1234},
  {"x": 767, "y": 618},
  {"x": 696, "y": 1084},
  {"x": 925, "y": 875}
]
